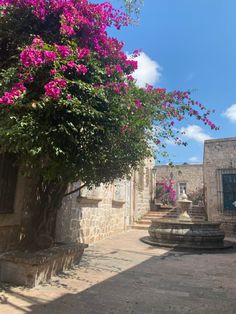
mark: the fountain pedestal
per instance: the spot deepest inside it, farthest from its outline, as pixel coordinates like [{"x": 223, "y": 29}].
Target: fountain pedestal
[{"x": 184, "y": 205}]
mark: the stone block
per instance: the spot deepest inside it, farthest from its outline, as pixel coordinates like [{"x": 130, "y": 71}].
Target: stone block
[{"x": 32, "y": 269}]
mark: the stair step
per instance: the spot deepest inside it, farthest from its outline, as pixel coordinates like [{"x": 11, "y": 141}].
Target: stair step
[
  {"x": 140, "y": 227},
  {"x": 197, "y": 214},
  {"x": 145, "y": 218},
  {"x": 153, "y": 217},
  {"x": 161, "y": 215},
  {"x": 145, "y": 222}
]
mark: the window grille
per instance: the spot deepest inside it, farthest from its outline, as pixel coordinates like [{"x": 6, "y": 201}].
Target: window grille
[
  {"x": 226, "y": 190},
  {"x": 182, "y": 188}
]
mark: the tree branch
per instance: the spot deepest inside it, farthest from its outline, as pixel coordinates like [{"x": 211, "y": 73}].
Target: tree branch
[{"x": 76, "y": 190}]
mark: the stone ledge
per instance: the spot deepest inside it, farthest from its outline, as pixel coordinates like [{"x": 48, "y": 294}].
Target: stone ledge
[
  {"x": 116, "y": 203},
  {"x": 228, "y": 139},
  {"x": 30, "y": 269},
  {"x": 88, "y": 200}
]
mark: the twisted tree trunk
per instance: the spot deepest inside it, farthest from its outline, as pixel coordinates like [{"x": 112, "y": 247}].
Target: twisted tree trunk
[{"x": 41, "y": 203}]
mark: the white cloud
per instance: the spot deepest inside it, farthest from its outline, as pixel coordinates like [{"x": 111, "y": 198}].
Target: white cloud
[
  {"x": 230, "y": 113},
  {"x": 193, "y": 159},
  {"x": 148, "y": 72},
  {"x": 196, "y": 133}
]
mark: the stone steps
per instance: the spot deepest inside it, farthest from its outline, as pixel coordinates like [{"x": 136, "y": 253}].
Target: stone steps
[
  {"x": 196, "y": 213},
  {"x": 139, "y": 226}
]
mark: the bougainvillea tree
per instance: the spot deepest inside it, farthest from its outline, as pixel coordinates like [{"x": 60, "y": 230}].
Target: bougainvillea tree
[
  {"x": 165, "y": 191},
  {"x": 69, "y": 107}
]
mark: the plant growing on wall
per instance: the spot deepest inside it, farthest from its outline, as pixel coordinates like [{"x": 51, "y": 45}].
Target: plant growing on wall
[
  {"x": 165, "y": 191},
  {"x": 69, "y": 106}
]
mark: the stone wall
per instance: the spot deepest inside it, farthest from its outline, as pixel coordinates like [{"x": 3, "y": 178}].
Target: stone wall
[
  {"x": 219, "y": 158},
  {"x": 190, "y": 174},
  {"x": 105, "y": 210},
  {"x": 93, "y": 216}
]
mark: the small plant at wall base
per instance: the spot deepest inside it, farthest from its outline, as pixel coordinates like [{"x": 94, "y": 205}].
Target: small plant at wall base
[
  {"x": 69, "y": 106},
  {"x": 165, "y": 192}
]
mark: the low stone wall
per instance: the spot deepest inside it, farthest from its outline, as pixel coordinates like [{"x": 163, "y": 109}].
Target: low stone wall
[{"x": 31, "y": 269}]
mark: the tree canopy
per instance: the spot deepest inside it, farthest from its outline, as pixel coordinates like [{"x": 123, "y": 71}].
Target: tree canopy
[{"x": 69, "y": 106}]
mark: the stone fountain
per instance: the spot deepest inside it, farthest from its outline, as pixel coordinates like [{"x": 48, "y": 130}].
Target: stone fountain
[{"x": 183, "y": 232}]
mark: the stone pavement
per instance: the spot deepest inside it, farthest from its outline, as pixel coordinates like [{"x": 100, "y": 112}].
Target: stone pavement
[{"x": 122, "y": 275}]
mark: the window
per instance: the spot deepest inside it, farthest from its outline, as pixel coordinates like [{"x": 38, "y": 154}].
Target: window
[
  {"x": 8, "y": 178},
  {"x": 226, "y": 190},
  {"x": 229, "y": 191},
  {"x": 182, "y": 188}
]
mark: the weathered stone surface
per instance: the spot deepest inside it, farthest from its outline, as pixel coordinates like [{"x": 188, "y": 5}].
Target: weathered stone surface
[
  {"x": 176, "y": 233},
  {"x": 105, "y": 210},
  {"x": 31, "y": 269}
]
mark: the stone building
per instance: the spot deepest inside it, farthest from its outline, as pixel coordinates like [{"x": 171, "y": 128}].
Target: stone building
[
  {"x": 97, "y": 214},
  {"x": 220, "y": 182},
  {"x": 100, "y": 212},
  {"x": 186, "y": 177}
]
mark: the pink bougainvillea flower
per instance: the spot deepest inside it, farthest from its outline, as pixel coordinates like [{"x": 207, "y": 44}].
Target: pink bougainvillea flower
[
  {"x": 63, "y": 68},
  {"x": 38, "y": 42},
  {"x": 50, "y": 55},
  {"x": 64, "y": 51},
  {"x": 17, "y": 90},
  {"x": 83, "y": 53},
  {"x": 32, "y": 57},
  {"x": 53, "y": 72},
  {"x": 138, "y": 104},
  {"x": 54, "y": 88},
  {"x": 81, "y": 69}
]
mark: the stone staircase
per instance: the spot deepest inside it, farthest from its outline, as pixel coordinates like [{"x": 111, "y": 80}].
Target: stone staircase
[{"x": 196, "y": 213}]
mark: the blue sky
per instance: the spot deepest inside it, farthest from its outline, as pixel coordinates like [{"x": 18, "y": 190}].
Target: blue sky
[{"x": 193, "y": 43}]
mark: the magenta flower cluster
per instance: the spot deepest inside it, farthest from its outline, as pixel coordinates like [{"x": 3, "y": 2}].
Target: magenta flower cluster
[
  {"x": 168, "y": 187},
  {"x": 54, "y": 88},
  {"x": 138, "y": 104},
  {"x": 84, "y": 38},
  {"x": 9, "y": 97},
  {"x": 78, "y": 19},
  {"x": 165, "y": 191}
]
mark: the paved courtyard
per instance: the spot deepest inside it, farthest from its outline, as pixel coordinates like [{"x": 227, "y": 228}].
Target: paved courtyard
[{"x": 123, "y": 275}]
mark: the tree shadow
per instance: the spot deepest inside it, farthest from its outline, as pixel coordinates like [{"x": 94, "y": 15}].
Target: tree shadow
[{"x": 176, "y": 282}]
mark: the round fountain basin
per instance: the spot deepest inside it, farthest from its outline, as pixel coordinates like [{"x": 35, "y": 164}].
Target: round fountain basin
[{"x": 186, "y": 234}]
